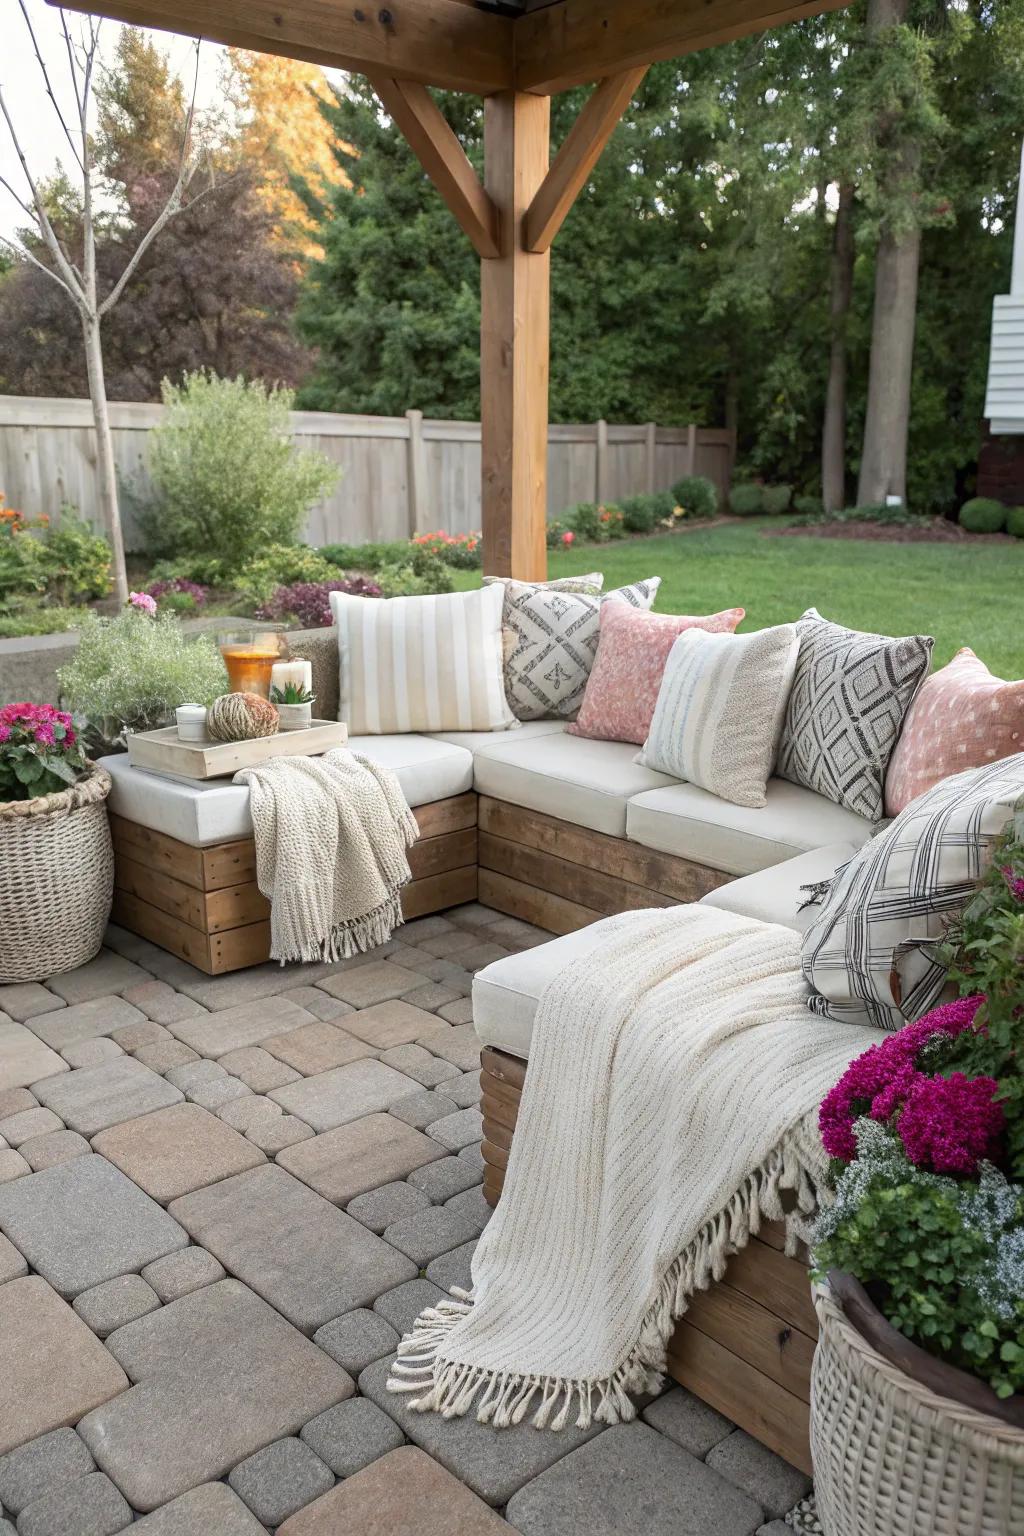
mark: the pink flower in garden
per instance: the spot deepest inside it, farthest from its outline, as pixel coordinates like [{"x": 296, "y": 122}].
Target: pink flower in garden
[
  {"x": 569, "y": 537},
  {"x": 142, "y": 600},
  {"x": 1014, "y": 882},
  {"x": 950, "y": 1123}
]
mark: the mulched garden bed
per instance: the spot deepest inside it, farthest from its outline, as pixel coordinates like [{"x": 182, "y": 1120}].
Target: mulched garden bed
[{"x": 927, "y": 530}]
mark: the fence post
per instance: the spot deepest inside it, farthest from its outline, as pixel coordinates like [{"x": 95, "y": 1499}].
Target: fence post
[
  {"x": 691, "y": 448},
  {"x": 650, "y": 446},
  {"x": 601, "y": 462},
  {"x": 419, "y": 494}
]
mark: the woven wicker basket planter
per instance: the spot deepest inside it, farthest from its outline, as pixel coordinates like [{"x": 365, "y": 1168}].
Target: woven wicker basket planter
[
  {"x": 56, "y": 880},
  {"x": 893, "y": 1457}
]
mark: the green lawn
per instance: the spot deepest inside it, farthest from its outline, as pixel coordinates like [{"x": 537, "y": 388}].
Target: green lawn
[{"x": 963, "y": 594}]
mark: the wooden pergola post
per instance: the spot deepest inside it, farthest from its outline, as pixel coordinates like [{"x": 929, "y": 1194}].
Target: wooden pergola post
[{"x": 514, "y": 332}]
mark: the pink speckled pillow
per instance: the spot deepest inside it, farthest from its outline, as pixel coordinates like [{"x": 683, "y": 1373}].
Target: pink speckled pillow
[
  {"x": 631, "y": 655},
  {"x": 962, "y": 717}
]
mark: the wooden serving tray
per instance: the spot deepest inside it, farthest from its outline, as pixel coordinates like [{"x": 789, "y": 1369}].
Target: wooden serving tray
[{"x": 164, "y": 752}]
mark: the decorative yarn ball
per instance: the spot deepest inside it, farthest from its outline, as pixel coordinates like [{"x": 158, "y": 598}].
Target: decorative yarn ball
[{"x": 241, "y": 717}]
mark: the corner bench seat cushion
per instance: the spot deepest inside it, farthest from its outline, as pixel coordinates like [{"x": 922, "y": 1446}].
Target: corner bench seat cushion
[
  {"x": 201, "y": 814},
  {"x": 480, "y": 741},
  {"x": 695, "y": 825},
  {"x": 776, "y": 895},
  {"x": 588, "y": 783}
]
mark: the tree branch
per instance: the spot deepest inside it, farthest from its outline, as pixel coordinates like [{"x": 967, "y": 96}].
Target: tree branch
[
  {"x": 46, "y": 81},
  {"x": 42, "y": 217},
  {"x": 26, "y": 255}
]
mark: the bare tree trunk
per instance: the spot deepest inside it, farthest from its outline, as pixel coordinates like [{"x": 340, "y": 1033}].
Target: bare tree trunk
[
  {"x": 833, "y": 434},
  {"x": 106, "y": 473}
]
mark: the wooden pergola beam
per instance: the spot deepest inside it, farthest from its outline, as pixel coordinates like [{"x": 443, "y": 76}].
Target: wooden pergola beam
[
  {"x": 427, "y": 130},
  {"x": 578, "y": 155},
  {"x": 446, "y": 43},
  {"x": 573, "y": 41}
]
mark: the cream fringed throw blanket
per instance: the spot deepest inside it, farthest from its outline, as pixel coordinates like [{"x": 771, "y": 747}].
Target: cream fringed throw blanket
[
  {"x": 331, "y": 838},
  {"x": 671, "y": 1098}
]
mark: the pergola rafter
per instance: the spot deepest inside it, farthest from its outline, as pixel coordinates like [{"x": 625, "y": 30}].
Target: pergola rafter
[{"x": 514, "y": 53}]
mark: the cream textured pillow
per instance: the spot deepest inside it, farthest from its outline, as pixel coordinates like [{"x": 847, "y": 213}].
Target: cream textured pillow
[
  {"x": 421, "y": 663},
  {"x": 720, "y": 710}
]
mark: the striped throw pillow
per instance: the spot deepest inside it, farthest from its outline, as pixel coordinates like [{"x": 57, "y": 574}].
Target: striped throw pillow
[
  {"x": 421, "y": 663},
  {"x": 720, "y": 709}
]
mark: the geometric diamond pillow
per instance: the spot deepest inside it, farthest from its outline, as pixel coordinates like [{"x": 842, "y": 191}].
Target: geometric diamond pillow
[
  {"x": 870, "y": 955},
  {"x": 551, "y": 639},
  {"x": 850, "y": 695}
]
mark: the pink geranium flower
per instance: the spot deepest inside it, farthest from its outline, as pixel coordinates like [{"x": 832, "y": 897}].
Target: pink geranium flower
[
  {"x": 950, "y": 1124},
  {"x": 144, "y": 601}
]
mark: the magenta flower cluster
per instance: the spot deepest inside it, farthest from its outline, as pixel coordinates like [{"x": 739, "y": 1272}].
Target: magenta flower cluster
[
  {"x": 191, "y": 589},
  {"x": 38, "y": 723},
  {"x": 309, "y": 601},
  {"x": 1015, "y": 883},
  {"x": 948, "y": 1124}
]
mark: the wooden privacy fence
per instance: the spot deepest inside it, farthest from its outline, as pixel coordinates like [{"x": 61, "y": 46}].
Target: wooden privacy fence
[{"x": 400, "y": 474}]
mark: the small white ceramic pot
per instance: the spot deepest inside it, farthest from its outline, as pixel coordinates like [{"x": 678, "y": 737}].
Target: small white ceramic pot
[
  {"x": 191, "y": 722},
  {"x": 295, "y": 717}
]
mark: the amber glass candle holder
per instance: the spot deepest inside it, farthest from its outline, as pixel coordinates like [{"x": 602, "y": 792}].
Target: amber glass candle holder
[{"x": 249, "y": 656}]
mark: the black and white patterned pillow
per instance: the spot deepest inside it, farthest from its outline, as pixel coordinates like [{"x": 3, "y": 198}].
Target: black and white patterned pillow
[
  {"x": 550, "y": 642},
  {"x": 870, "y": 955},
  {"x": 846, "y": 710}
]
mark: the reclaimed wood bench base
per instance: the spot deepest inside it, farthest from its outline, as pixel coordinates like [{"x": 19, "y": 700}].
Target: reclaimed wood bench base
[
  {"x": 745, "y": 1345},
  {"x": 203, "y": 904}
]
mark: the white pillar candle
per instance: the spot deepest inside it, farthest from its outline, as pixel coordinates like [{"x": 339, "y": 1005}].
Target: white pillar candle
[{"x": 298, "y": 672}]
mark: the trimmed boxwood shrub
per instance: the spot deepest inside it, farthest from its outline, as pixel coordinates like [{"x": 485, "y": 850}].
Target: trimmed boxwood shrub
[
  {"x": 642, "y": 513},
  {"x": 808, "y": 506},
  {"x": 746, "y": 500},
  {"x": 697, "y": 494},
  {"x": 776, "y": 499},
  {"x": 1015, "y": 522},
  {"x": 983, "y": 515}
]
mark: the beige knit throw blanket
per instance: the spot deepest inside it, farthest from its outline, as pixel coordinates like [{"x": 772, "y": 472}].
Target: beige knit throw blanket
[
  {"x": 331, "y": 839},
  {"x": 671, "y": 1100}
]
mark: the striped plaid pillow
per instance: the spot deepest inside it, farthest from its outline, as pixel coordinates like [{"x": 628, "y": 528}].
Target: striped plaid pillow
[
  {"x": 421, "y": 663},
  {"x": 871, "y": 956}
]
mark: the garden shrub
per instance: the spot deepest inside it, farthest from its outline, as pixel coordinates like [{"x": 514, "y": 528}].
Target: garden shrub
[
  {"x": 227, "y": 480},
  {"x": 308, "y": 603},
  {"x": 983, "y": 515},
  {"x": 641, "y": 514},
  {"x": 76, "y": 560},
  {"x": 35, "y": 618},
  {"x": 558, "y": 535},
  {"x": 808, "y": 506},
  {"x": 178, "y": 595},
  {"x": 190, "y": 568},
  {"x": 414, "y": 578},
  {"x": 460, "y": 550},
  {"x": 280, "y": 566},
  {"x": 1015, "y": 522},
  {"x": 365, "y": 557},
  {"x": 746, "y": 499},
  {"x": 594, "y": 523},
  {"x": 697, "y": 494},
  {"x": 776, "y": 499}
]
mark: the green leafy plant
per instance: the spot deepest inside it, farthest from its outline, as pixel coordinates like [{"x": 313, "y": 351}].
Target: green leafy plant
[
  {"x": 37, "y": 617},
  {"x": 872, "y": 512},
  {"x": 227, "y": 480},
  {"x": 1015, "y": 522},
  {"x": 595, "y": 523},
  {"x": 463, "y": 551},
  {"x": 746, "y": 499},
  {"x": 415, "y": 578},
  {"x": 291, "y": 693},
  {"x": 808, "y": 506},
  {"x": 131, "y": 672},
  {"x": 204, "y": 570},
  {"x": 280, "y": 565},
  {"x": 365, "y": 557},
  {"x": 776, "y": 499},
  {"x": 641, "y": 514},
  {"x": 697, "y": 494},
  {"x": 40, "y": 753},
  {"x": 982, "y": 515},
  {"x": 76, "y": 560}
]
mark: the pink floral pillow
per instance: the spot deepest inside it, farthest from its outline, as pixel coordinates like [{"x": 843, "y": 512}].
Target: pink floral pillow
[
  {"x": 631, "y": 654},
  {"x": 962, "y": 717}
]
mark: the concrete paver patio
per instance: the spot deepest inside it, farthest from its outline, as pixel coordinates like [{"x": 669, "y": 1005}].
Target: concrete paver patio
[{"x": 222, "y": 1201}]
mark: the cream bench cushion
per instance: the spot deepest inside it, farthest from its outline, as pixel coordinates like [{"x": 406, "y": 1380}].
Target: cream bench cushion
[
  {"x": 202, "y": 814},
  {"x": 736, "y": 839},
  {"x": 480, "y": 741},
  {"x": 776, "y": 895}
]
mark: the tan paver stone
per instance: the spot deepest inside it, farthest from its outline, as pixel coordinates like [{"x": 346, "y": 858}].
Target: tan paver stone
[
  {"x": 12, "y": 1263},
  {"x": 216, "y": 1375},
  {"x": 52, "y": 1367},
  {"x": 30, "y": 1122},
  {"x": 460, "y": 1045},
  {"x": 303, "y": 1255},
  {"x": 12, "y": 1165},
  {"x": 178, "y": 1274},
  {"x": 13, "y": 1100},
  {"x": 241, "y": 987},
  {"x": 24, "y": 1058},
  {"x": 319, "y": 1003},
  {"x": 132, "y": 1036},
  {"x": 84, "y": 1021},
  {"x": 272, "y": 1136},
  {"x": 445, "y": 944},
  {"x": 346, "y": 1093},
  {"x": 214, "y": 1509},
  {"x": 458, "y": 1013},
  {"x": 94, "y": 1097},
  {"x": 254, "y": 1109},
  {"x": 405, "y": 1493},
  {"x": 215, "y": 1034},
  {"x": 415, "y": 1062},
  {"x": 89, "y": 1053},
  {"x": 176, "y": 1150},
  {"x": 162, "y": 1055},
  {"x": 317, "y": 1048},
  {"x": 257, "y": 1069},
  {"x": 56, "y": 1147},
  {"x": 161, "y": 1003},
  {"x": 25, "y": 999},
  {"x": 373, "y": 983},
  {"x": 393, "y": 1023},
  {"x": 105, "y": 976},
  {"x": 359, "y": 1156}
]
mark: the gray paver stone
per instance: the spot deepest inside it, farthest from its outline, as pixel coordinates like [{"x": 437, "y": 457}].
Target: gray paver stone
[
  {"x": 254, "y": 1109},
  {"x": 425, "y": 928},
  {"x": 217, "y": 1091},
  {"x": 280, "y": 1479},
  {"x": 465, "y": 1091},
  {"x": 12, "y": 1166},
  {"x": 432, "y": 996},
  {"x": 176, "y": 1150},
  {"x": 258, "y": 1069},
  {"x": 473, "y": 914},
  {"x": 402, "y": 1306},
  {"x": 376, "y": 982},
  {"x": 351, "y": 1435},
  {"x": 12, "y": 1264},
  {"x": 472, "y": 1207},
  {"x": 90, "y": 1507},
  {"x": 629, "y": 1478},
  {"x": 84, "y": 1222},
  {"x": 162, "y": 1055},
  {"x": 14, "y": 1100},
  {"x": 463, "y": 1129},
  {"x": 115, "y": 1302},
  {"x": 775, "y": 1528},
  {"x": 195, "y": 1073},
  {"x": 418, "y": 1064},
  {"x": 444, "y": 944},
  {"x": 347, "y": 1093},
  {"x": 84, "y": 1021},
  {"x": 89, "y": 1053},
  {"x": 105, "y": 976},
  {"x": 455, "y": 976},
  {"x": 218, "y": 1374},
  {"x": 441, "y": 1180},
  {"x": 426, "y": 1234},
  {"x": 687, "y": 1421},
  {"x": 460, "y": 1012},
  {"x": 452, "y": 1270},
  {"x": 474, "y": 1158},
  {"x": 213, "y": 1509},
  {"x": 30, "y": 1122},
  {"x": 23, "y": 1060},
  {"x": 178, "y": 1274},
  {"x": 25, "y": 999},
  {"x": 358, "y": 1157},
  {"x": 333, "y": 1263},
  {"x": 162, "y": 1003},
  {"x": 132, "y": 1037},
  {"x": 494, "y": 1463},
  {"x": 215, "y": 1034},
  {"x": 40, "y": 1466},
  {"x": 317, "y": 1047},
  {"x": 96, "y": 1097},
  {"x": 274, "y": 1136},
  {"x": 378, "y": 1208},
  {"x": 423, "y": 1109},
  {"x": 241, "y": 988},
  {"x": 458, "y": 1044},
  {"x": 759, "y": 1472},
  {"x": 356, "y": 1339},
  {"x": 318, "y": 1003}
]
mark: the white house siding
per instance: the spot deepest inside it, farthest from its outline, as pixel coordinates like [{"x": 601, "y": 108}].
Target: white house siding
[{"x": 1004, "y": 400}]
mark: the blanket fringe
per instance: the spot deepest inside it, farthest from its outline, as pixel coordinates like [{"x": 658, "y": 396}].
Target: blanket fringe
[{"x": 450, "y": 1387}]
